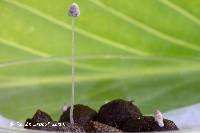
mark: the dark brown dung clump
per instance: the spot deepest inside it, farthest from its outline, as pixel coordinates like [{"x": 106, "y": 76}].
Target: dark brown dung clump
[
  {"x": 117, "y": 112},
  {"x": 82, "y": 115},
  {"x": 41, "y": 116},
  {"x": 116, "y": 116},
  {"x": 147, "y": 124},
  {"x": 43, "y": 121}
]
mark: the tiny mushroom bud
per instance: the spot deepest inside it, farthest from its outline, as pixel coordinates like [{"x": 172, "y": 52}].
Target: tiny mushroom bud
[
  {"x": 65, "y": 107},
  {"x": 74, "y": 10},
  {"x": 159, "y": 118}
]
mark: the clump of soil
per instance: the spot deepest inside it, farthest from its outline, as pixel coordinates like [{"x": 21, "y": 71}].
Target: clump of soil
[
  {"x": 41, "y": 116},
  {"x": 117, "y": 112},
  {"x": 116, "y": 116},
  {"x": 147, "y": 124},
  {"x": 43, "y": 121},
  {"x": 82, "y": 115}
]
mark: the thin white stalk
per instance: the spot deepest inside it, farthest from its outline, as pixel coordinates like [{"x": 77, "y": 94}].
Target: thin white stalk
[
  {"x": 73, "y": 75},
  {"x": 73, "y": 11}
]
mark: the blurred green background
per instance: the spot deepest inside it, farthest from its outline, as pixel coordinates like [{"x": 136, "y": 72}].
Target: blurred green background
[{"x": 142, "y": 50}]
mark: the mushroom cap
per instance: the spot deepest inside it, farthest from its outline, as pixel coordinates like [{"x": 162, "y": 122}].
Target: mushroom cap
[{"x": 74, "y": 10}]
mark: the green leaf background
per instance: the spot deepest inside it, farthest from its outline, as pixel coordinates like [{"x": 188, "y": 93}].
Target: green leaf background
[{"x": 142, "y": 50}]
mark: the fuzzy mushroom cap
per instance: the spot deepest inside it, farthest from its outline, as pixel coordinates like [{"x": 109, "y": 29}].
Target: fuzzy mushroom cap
[
  {"x": 117, "y": 112},
  {"x": 147, "y": 124},
  {"x": 82, "y": 114},
  {"x": 74, "y": 10}
]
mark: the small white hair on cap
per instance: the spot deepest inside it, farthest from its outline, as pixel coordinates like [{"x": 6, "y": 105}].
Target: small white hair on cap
[{"x": 74, "y": 10}]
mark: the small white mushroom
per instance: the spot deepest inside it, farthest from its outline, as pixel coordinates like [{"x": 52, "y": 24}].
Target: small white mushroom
[
  {"x": 74, "y": 10},
  {"x": 159, "y": 118},
  {"x": 65, "y": 107}
]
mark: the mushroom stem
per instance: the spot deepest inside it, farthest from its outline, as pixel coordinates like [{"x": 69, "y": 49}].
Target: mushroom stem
[
  {"x": 73, "y": 11},
  {"x": 73, "y": 75}
]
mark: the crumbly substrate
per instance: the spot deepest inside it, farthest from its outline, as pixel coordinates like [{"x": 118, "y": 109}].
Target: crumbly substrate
[
  {"x": 147, "y": 124},
  {"x": 115, "y": 116}
]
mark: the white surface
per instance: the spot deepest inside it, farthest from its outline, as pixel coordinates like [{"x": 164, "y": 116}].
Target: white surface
[
  {"x": 187, "y": 117},
  {"x": 4, "y": 122}
]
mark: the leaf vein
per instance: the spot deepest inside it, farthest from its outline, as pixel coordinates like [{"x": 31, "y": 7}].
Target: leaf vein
[
  {"x": 180, "y": 10},
  {"x": 147, "y": 28},
  {"x": 79, "y": 30}
]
